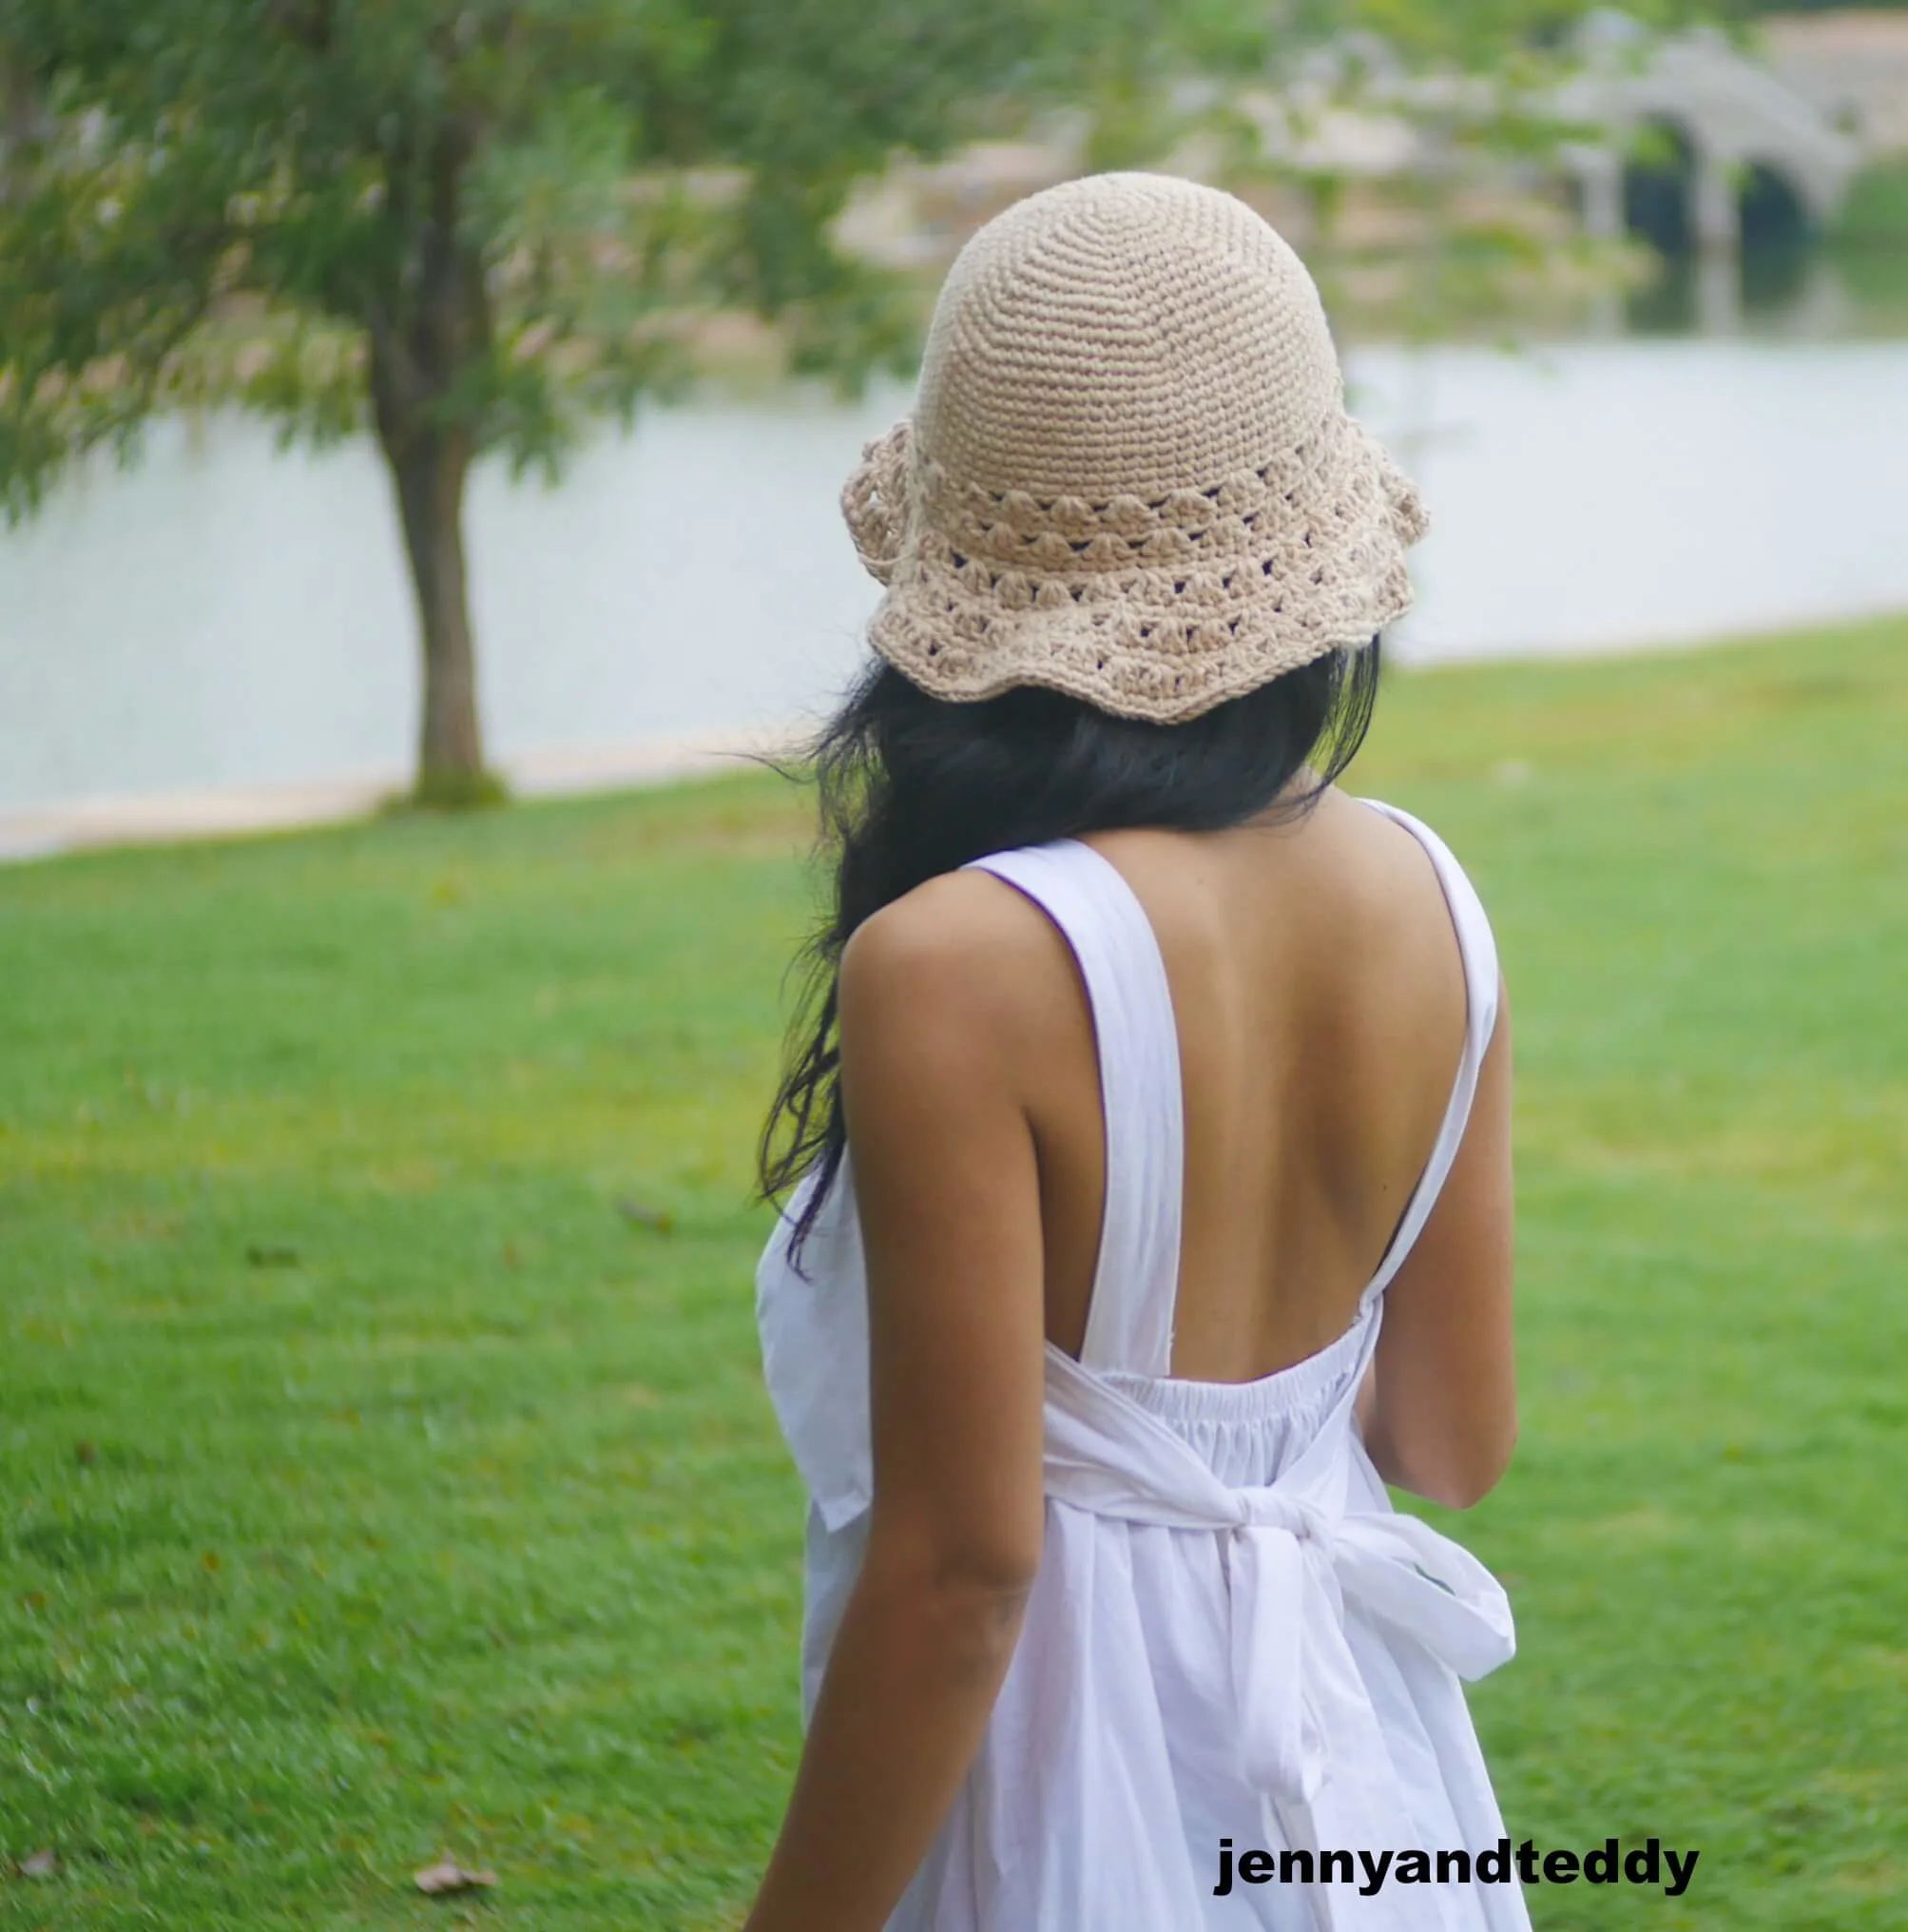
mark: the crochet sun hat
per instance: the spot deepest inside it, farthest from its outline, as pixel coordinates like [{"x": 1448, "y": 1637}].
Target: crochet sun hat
[{"x": 1130, "y": 474}]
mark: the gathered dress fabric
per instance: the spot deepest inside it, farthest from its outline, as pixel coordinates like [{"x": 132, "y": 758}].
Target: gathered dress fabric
[{"x": 1232, "y": 1634}]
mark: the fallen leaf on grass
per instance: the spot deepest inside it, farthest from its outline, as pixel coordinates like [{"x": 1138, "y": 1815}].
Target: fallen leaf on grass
[
  {"x": 657, "y": 1220},
  {"x": 446, "y": 1877},
  {"x": 39, "y": 1865}
]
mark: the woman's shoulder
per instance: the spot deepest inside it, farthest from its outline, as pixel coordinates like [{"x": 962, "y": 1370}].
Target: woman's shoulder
[
  {"x": 965, "y": 948},
  {"x": 942, "y": 927},
  {"x": 1416, "y": 845},
  {"x": 1420, "y": 894}
]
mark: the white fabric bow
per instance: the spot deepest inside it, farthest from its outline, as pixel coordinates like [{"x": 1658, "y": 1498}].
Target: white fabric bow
[{"x": 1296, "y": 1556}]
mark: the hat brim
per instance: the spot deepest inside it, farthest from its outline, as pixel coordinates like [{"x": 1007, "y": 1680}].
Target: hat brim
[{"x": 1157, "y": 610}]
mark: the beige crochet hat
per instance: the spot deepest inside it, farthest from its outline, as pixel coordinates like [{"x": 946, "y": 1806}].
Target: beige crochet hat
[{"x": 1130, "y": 474}]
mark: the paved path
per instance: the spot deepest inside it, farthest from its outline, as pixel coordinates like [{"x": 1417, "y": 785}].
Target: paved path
[{"x": 165, "y": 817}]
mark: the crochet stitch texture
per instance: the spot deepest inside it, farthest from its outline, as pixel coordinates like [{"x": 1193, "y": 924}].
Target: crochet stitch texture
[{"x": 1130, "y": 474}]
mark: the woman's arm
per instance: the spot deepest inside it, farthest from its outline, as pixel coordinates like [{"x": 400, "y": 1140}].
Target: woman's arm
[
  {"x": 933, "y": 1035},
  {"x": 1439, "y": 1413}
]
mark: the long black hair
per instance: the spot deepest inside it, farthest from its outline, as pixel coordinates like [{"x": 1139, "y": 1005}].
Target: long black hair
[{"x": 912, "y": 785}]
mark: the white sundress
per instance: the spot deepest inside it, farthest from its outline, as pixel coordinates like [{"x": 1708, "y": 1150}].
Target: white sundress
[{"x": 1232, "y": 1634}]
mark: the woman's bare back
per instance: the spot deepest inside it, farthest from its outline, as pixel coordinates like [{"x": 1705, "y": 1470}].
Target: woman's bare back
[{"x": 1320, "y": 1003}]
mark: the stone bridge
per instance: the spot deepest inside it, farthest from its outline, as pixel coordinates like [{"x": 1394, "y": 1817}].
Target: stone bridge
[
  {"x": 1737, "y": 137},
  {"x": 1731, "y": 136}
]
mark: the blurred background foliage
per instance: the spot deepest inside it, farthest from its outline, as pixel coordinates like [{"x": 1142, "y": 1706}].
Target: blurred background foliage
[{"x": 475, "y": 225}]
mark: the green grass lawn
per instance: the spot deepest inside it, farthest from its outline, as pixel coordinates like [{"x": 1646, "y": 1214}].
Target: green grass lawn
[{"x": 384, "y": 1469}]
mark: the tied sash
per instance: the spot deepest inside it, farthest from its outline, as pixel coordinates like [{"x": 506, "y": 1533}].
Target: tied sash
[{"x": 1309, "y": 1738}]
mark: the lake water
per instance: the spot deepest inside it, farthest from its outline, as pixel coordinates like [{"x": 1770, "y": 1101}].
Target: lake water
[{"x": 226, "y": 616}]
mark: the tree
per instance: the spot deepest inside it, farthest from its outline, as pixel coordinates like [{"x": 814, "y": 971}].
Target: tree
[
  {"x": 469, "y": 223},
  {"x": 473, "y": 225}
]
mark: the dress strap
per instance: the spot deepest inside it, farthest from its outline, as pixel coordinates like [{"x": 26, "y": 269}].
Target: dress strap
[
  {"x": 1478, "y": 952},
  {"x": 1130, "y": 1320}
]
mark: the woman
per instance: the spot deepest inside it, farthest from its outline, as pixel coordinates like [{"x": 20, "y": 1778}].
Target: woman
[{"x": 1151, "y": 1072}]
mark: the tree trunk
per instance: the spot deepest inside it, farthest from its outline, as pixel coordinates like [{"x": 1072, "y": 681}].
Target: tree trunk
[
  {"x": 433, "y": 331},
  {"x": 429, "y": 471}
]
